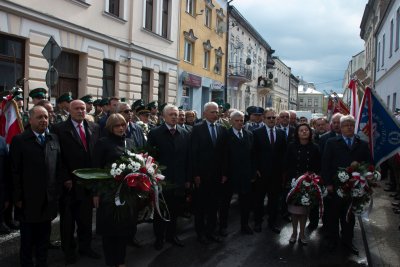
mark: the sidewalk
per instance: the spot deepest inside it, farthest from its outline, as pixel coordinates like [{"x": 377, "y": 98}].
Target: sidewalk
[{"x": 382, "y": 230}]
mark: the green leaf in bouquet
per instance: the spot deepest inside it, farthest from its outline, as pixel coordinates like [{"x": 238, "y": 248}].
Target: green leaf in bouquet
[{"x": 91, "y": 173}]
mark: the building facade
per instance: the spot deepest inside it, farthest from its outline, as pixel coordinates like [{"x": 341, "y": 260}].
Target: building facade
[
  {"x": 387, "y": 70},
  {"x": 250, "y": 74},
  {"x": 373, "y": 12},
  {"x": 122, "y": 48},
  {"x": 310, "y": 99},
  {"x": 280, "y": 93},
  {"x": 293, "y": 92},
  {"x": 202, "y": 52}
]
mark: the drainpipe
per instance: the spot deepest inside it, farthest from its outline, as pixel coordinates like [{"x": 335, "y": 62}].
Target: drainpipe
[{"x": 226, "y": 51}]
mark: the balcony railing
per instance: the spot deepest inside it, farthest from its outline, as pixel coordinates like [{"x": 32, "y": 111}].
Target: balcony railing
[{"x": 240, "y": 70}]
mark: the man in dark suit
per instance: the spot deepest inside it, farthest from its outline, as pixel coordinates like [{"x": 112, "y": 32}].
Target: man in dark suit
[
  {"x": 340, "y": 152},
  {"x": 238, "y": 166},
  {"x": 172, "y": 145},
  {"x": 77, "y": 139},
  {"x": 133, "y": 130},
  {"x": 335, "y": 131},
  {"x": 35, "y": 157},
  {"x": 4, "y": 188},
  {"x": 182, "y": 120},
  {"x": 207, "y": 144},
  {"x": 284, "y": 125},
  {"x": 269, "y": 149}
]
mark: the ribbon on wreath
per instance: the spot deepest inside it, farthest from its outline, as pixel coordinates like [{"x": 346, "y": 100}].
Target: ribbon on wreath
[
  {"x": 358, "y": 180},
  {"x": 314, "y": 181}
]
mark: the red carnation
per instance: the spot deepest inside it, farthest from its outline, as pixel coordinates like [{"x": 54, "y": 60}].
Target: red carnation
[
  {"x": 371, "y": 168},
  {"x": 143, "y": 170},
  {"x": 349, "y": 169}
]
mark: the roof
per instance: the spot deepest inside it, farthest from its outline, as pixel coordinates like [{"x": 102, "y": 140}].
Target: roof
[{"x": 308, "y": 90}]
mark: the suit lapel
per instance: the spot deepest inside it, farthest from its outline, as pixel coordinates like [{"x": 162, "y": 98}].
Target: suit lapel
[
  {"x": 74, "y": 133},
  {"x": 207, "y": 132}
]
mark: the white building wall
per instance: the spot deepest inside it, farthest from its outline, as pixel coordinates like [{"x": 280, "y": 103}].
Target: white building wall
[
  {"x": 281, "y": 86},
  {"x": 388, "y": 62}
]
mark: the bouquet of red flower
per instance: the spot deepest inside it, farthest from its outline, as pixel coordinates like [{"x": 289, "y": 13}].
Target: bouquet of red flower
[
  {"x": 356, "y": 182},
  {"x": 307, "y": 190},
  {"x": 132, "y": 174}
]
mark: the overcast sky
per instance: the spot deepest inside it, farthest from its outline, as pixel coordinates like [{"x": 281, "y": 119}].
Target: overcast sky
[{"x": 316, "y": 38}]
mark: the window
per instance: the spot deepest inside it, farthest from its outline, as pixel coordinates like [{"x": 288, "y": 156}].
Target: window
[
  {"x": 316, "y": 102},
  {"x": 67, "y": 65},
  {"x": 188, "y": 56},
  {"x": 113, "y": 7},
  {"x": 190, "y": 7},
  {"x": 383, "y": 50},
  {"x": 206, "y": 64},
  {"x": 394, "y": 102},
  {"x": 397, "y": 28},
  {"x": 391, "y": 39},
  {"x": 378, "y": 60},
  {"x": 145, "y": 85},
  {"x": 165, "y": 18},
  {"x": 218, "y": 64},
  {"x": 162, "y": 80},
  {"x": 388, "y": 101},
  {"x": 207, "y": 17},
  {"x": 149, "y": 15},
  {"x": 220, "y": 21},
  {"x": 12, "y": 50},
  {"x": 108, "y": 78},
  {"x": 309, "y": 102}
]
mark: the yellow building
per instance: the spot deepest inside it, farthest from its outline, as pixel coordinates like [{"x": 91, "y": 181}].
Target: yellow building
[{"x": 202, "y": 52}]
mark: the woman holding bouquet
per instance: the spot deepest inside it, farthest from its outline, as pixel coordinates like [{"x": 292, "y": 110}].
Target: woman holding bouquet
[
  {"x": 302, "y": 156},
  {"x": 115, "y": 232}
]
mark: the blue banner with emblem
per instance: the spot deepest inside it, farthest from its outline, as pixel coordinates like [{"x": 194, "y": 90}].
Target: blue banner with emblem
[{"x": 378, "y": 127}]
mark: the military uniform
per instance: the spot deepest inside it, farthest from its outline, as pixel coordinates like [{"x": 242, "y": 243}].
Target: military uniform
[
  {"x": 37, "y": 94},
  {"x": 103, "y": 102},
  {"x": 251, "y": 125},
  {"x": 88, "y": 99},
  {"x": 62, "y": 115},
  {"x": 153, "y": 118}
]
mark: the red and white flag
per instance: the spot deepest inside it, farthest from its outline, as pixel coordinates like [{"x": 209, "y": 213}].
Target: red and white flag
[
  {"x": 354, "y": 104},
  {"x": 10, "y": 119}
]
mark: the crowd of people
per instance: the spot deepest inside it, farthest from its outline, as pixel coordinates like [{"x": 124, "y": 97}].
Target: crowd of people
[{"x": 254, "y": 155}]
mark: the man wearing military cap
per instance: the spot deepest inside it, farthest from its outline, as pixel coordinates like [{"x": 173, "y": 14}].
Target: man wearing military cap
[
  {"x": 255, "y": 121},
  {"x": 97, "y": 108},
  {"x": 135, "y": 105},
  {"x": 103, "y": 105},
  {"x": 160, "y": 111},
  {"x": 88, "y": 99},
  {"x": 152, "y": 106},
  {"x": 38, "y": 94},
  {"x": 63, "y": 107}
]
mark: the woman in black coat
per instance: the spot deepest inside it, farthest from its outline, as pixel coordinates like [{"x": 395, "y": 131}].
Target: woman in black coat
[
  {"x": 302, "y": 156},
  {"x": 115, "y": 233}
]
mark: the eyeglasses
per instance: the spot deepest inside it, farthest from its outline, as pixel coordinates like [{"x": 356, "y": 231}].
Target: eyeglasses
[
  {"x": 127, "y": 111},
  {"x": 119, "y": 125},
  {"x": 271, "y": 118},
  {"x": 284, "y": 117}
]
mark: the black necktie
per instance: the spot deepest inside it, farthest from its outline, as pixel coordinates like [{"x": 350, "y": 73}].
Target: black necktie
[
  {"x": 213, "y": 134},
  {"x": 240, "y": 135},
  {"x": 271, "y": 136},
  {"x": 172, "y": 131}
]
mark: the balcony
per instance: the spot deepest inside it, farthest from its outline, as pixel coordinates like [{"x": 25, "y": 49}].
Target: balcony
[
  {"x": 239, "y": 73},
  {"x": 264, "y": 85}
]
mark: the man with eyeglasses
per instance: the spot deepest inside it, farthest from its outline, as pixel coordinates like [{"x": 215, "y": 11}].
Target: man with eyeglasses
[
  {"x": 133, "y": 131},
  {"x": 284, "y": 125},
  {"x": 270, "y": 148}
]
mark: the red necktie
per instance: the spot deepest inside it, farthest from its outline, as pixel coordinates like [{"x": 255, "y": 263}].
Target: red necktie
[
  {"x": 82, "y": 135},
  {"x": 271, "y": 136}
]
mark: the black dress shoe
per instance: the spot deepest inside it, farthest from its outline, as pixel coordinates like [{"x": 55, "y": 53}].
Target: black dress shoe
[
  {"x": 90, "y": 253},
  {"x": 214, "y": 238},
  {"x": 223, "y": 232},
  {"x": 202, "y": 240},
  {"x": 396, "y": 204},
  {"x": 55, "y": 244},
  {"x": 175, "y": 241},
  {"x": 274, "y": 229},
  {"x": 13, "y": 225},
  {"x": 396, "y": 210},
  {"x": 134, "y": 243},
  {"x": 4, "y": 230},
  {"x": 389, "y": 189},
  {"x": 246, "y": 230},
  {"x": 351, "y": 248},
  {"x": 394, "y": 194},
  {"x": 159, "y": 244},
  {"x": 257, "y": 228}
]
